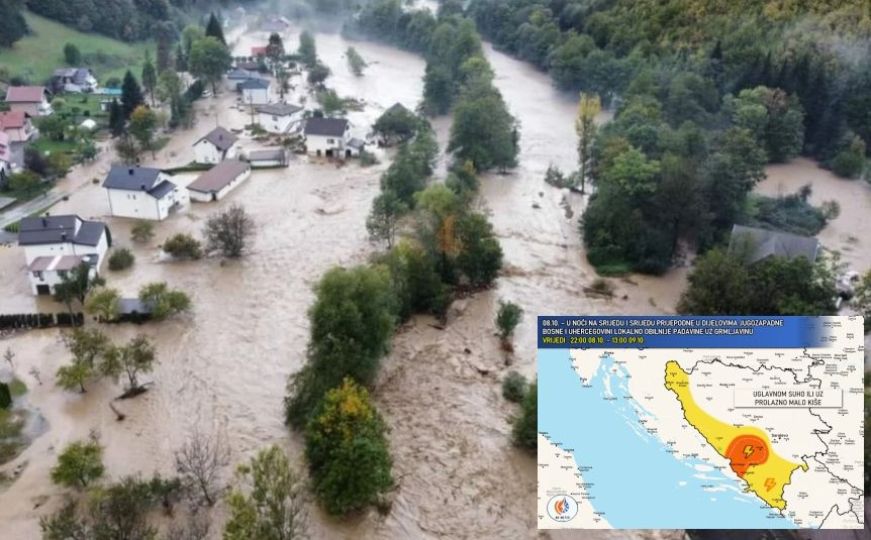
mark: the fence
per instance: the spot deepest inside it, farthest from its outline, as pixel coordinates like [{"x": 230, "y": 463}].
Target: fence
[{"x": 40, "y": 320}]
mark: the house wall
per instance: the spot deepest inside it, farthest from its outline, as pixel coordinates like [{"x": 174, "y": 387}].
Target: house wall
[
  {"x": 47, "y": 278},
  {"x": 315, "y": 143},
  {"x": 199, "y": 196},
  {"x": 30, "y": 108},
  {"x": 206, "y": 152},
  {"x": 141, "y": 205},
  {"x": 278, "y": 124},
  {"x": 255, "y": 96}
]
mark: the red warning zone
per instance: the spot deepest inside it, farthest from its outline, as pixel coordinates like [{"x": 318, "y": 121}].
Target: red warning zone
[{"x": 746, "y": 451}]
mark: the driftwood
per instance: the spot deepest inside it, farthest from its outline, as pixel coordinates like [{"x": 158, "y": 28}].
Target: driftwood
[
  {"x": 131, "y": 393},
  {"x": 119, "y": 416}
]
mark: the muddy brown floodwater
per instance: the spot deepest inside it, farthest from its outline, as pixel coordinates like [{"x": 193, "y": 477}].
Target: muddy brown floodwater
[{"x": 224, "y": 366}]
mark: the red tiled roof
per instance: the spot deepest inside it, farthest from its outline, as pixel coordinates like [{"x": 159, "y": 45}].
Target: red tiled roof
[
  {"x": 12, "y": 119},
  {"x": 25, "y": 94},
  {"x": 258, "y": 51}
]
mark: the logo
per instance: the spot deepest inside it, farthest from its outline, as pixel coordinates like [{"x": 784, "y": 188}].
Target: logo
[{"x": 562, "y": 508}]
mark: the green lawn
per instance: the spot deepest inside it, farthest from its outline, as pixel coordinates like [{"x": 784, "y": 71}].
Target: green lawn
[{"x": 37, "y": 55}]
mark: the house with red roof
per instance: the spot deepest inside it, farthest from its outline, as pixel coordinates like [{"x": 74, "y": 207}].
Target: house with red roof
[
  {"x": 32, "y": 100},
  {"x": 17, "y": 130},
  {"x": 258, "y": 51}
]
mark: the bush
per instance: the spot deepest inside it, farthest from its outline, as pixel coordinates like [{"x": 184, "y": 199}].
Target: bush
[
  {"x": 229, "y": 231},
  {"x": 514, "y": 387},
  {"x": 142, "y": 231},
  {"x": 525, "y": 429},
  {"x": 183, "y": 246},
  {"x": 163, "y": 301},
  {"x": 508, "y": 318},
  {"x": 368, "y": 158},
  {"x": 121, "y": 259},
  {"x": 347, "y": 450},
  {"x": 79, "y": 464}
]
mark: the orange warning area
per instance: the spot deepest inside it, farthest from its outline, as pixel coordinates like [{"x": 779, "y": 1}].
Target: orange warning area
[{"x": 746, "y": 451}]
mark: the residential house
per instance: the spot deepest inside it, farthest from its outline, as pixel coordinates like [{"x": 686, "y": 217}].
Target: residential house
[
  {"x": 258, "y": 52},
  {"x": 279, "y": 117},
  {"x": 141, "y": 192},
  {"x": 215, "y": 146},
  {"x": 267, "y": 158},
  {"x": 327, "y": 137},
  {"x": 32, "y": 100},
  {"x": 255, "y": 91},
  {"x": 16, "y": 125},
  {"x": 54, "y": 245},
  {"x": 238, "y": 75},
  {"x": 73, "y": 80},
  {"x": 248, "y": 65},
  {"x": 756, "y": 244},
  {"x": 215, "y": 183}
]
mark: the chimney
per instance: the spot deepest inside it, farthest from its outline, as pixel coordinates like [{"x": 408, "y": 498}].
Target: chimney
[
  {"x": 63, "y": 236},
  {"x": 142, "y": 187},
  {"x": 130, "y": 170}
]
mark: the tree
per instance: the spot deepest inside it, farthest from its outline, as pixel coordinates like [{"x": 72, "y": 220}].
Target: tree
[
  {"x": 104, "y": 303},
  {"x": 355, "y": 62},
  {"x": 585, "y": 126},
  {"x": 5, "y": 396},
  {"x": 214, "y": 29},
  {"x": 209, "y": 59},
  {"x": 131, "y": 94},
  {"x": 514, "y": 387},
  {"x": 132, "y": 359},
  {"x": 120, "y": 511},
  {"x": 317, "y": 74},
  {"x": 76, "y": 284},
  {"x": 717, "y": 286},
  {"x": 282, "y": 79},
  {"x": 483, "y": 131},
  {"x": 415, "y": 282},
  {"x": 480, "y": 256},
  {"x": 775, "y": 118},
  {"x": 862, "y": 300},
  {"x": 307, "y": 50},
  {"x": 149, "y": 76},
  {"x": 275, "y": 48},
  {"x": 229, "y": 231},
  {"x": 143, "y": 123},
  {"x": 200, "y": 463},
  {"x": 347, "y": 450},
  {"x": 13, "y": 26},
  {"x": 24, "y": 182},
  {"x": 72, "y": 55},
  {"x": 525, "y": 428},
  {"x": 117, "y": 121},
  {"x": 849, "y": 162},
  {"x": 396, "y": 125},
  {"x": 86, "y": 346},
  {"x": 269, "y": 500},
  {"x": 507, "y": 319},
  {"x": 121, "y": 259},
  {"x": 142, "y": 231},
  {"x": 352, "y": 321},
  {"x": 79, "y": 464},
  {"x": 382, "y": 220},
  {"x": 163, "y": 301},
  {"x": 183, "y": 246},
  {"x": 127, "y": 150},
  {"x": 64, "y": 525}
]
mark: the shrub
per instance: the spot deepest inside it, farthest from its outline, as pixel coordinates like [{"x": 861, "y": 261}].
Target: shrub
[
  {"x": 525, "y": 429},
  {"x": 507, "y": 319},
  {"x": 79, "y": 464},
  {"x": 142, "y": 231},
  {"x": 163, "y": 301},
  {"x": 183, "y": 246},
  {"x": 368, "y": 158},
  {"x": 121, "y": 259},
  {"x": 514, "y": 387}
]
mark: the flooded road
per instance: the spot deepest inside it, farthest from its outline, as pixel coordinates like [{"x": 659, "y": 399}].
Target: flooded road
[{"x": 223, "y": 367}]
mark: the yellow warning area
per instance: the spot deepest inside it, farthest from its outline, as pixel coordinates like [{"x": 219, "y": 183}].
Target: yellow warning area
[{"x": 747, "y": 448}]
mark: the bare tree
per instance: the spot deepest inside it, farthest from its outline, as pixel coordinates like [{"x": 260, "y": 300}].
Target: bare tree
[
  {"x": 229, "y": 231},
  {"x": 200, "y": 464},
  {"x": 9, "y": 356},
  {"x": 194, "y": 527}
]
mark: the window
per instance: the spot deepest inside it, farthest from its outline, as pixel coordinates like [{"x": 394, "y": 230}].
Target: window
[
  {"x": 331, "y": 141},
  {"x": 38, "y": 275},
  {"x": 62, "y": 273}
]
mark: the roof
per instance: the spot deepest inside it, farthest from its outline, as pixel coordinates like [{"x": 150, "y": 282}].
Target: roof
[
  {"x": 162, "y": 189},
  {"x": 242, "y": 74},
  {"x": 268, "y": 154},
  {"x": 25, "y": 94},
  {"x": 765, "y": 243},
  {"x": 358, "y": 144},
  {"x": 397, "y": 107},
  {"x": 248, "y": 66},
  {"x": 258, "y": 51},
  {"x": 137, "y": 179},
  {"x": 219, "y": 176},
  {"x": 13, "y": 119},
  {"x": 56, "y": 263},
  {"x": 328, "y": 127},
  {"x": 220, "y": 139},
  {"x": 278, "y": 109},
  {"x": 59, "y": 229},
  {"x": 254, "y": 84}
]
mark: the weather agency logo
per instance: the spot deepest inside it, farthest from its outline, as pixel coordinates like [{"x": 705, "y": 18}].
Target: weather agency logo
[{"x": 562, "y": 508}]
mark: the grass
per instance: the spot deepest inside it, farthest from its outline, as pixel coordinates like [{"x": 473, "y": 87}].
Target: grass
[{"x": 37, "y": 55}]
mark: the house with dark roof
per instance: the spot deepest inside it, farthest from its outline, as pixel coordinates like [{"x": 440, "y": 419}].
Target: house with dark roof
[
  {"x": 279, "y": 117},
  {"x": 73, "y": 80},
  {"x": 142, "y": 193},
  {"x": 755, "y": 244},
  {"x": 238, "y": 75},
  {"x": 215, "y": 146},
  {"x": 32, "y": 100},
  {"x": 327, "y": 137},
  {"x": 215, "y": 183},
  {"x": 54, "y": 245},
  {"x": 255, "y": 91}
]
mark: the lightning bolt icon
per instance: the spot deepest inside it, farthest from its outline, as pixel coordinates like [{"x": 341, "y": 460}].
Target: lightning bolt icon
[
  {"x": 769, "y": 483},
  {"x": 748, "y": 450}
]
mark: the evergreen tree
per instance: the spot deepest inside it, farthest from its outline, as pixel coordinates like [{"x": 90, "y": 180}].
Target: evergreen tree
[
  {"x": 214, "y": 29},
  {"x": 116, "y": 118},
  {"x": 149, "y": 76},
  {"x": 131, "y": 94}
]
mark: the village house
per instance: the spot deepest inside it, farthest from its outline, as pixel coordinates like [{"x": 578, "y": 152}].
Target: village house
[
  {"x": 215, "y": 183},
  {"x": 255, "y": 91},
  {"x": 19, "y": 130},
  {"x": 247, "y": 65},
  {"x": 267, "y": 158},
  {"x": 238, "y": 75},
  {"x": 73, "y": 80},
  {"x": 756, "y": 244},
  {"x": 54, "y": 245},
  {"x": 279, "y": 117},
  {"x": 258, "y": 52},
  {"x": 32, "y": 100},
  {"x": 141, "y": 192},
  {"x": 327, "y": 137},
  {"x": 215, "y": 147}
]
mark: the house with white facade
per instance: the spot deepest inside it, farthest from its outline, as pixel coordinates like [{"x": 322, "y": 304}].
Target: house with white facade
[
  {"x": 19, "y": 130},
  {"x": 216, "y": 146},
  {"x": 279, "y": 117},
  {"x": 73, "y": 80},
  {"x": 255, "y": 91},
  {"x": 5, "y": 158},
  {"x": 32, "y": 100},
  {"x": 143, "y": 193},
  {"x": 327, "y": 137},
  {"x": 215, "y": 183},
  {"x": 239, "y": 75},
  {"x": 54, "y": 245}
]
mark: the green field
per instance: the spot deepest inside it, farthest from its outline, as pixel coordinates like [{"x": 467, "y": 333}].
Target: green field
[{"x": 37, "y": 55}]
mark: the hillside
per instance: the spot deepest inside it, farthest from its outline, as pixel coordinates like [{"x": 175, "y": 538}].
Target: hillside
[{"x": 38, "y": 54}]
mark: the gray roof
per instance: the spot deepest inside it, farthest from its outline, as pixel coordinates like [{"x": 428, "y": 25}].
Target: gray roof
[
  {"x": 764, "y": 243},
  {"x": 327, "y": 127},
  {"x": 358, "y": 144},
  {"x": 253, "y": 84},
  {"x": 130, "y": 306},
  {"x": 268, "y": 154},
  {"x": 78, "y": 75},
  {"x": 138, "y": 179},
  {"x": 242, "y": 74},
  {"x": 59, "y": 229},
  {"x": 219, "y": 176},
  {"x": 278, "y": 109},
  {"x": 220, "y": 138}
]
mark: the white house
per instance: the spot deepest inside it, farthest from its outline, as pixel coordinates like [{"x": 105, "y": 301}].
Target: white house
[
  {"x": 141, "y": 192},
  {"x": 327, "y": 137},
  {"x": 54, "y": 245},
  {"x": 239, "y": 75},
  {"x": 215, "y": 183},
  {"x": 255, "y": 91},
  {"x": 32, "y": 100},
  {"x": 216, "y": 146},
  {"x": 279, "y": 117},
  {"x": 73, "y": 80}
]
